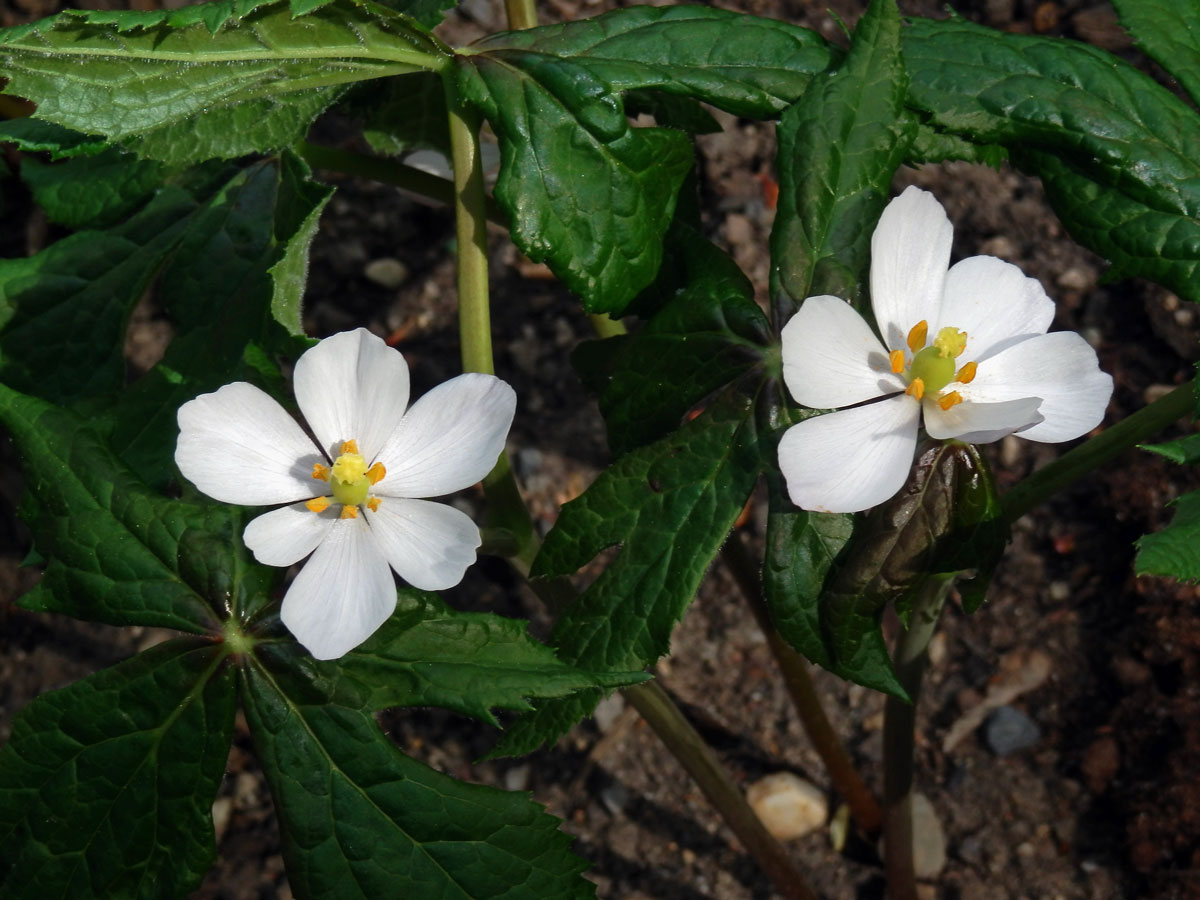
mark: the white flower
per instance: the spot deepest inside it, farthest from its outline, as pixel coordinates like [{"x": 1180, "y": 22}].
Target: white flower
[
  {"x": 352, "y": 496},
  {"x": 990, "y": 369}
]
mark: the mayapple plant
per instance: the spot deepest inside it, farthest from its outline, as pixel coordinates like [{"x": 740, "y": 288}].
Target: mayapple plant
[{"x": 171, "y": 147}]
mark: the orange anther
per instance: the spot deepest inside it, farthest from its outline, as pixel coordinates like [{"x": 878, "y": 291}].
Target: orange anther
[
  {"x": 896, "y": 358},
  {"x": 349, "y": 512},
  {"x": 349, "y": 446},
  {"x": 373, "y": 504},
  {"x": 320, "y": 472},
  {"x": 375, "y": 473},
  {"x": 318, "y": 504},
  {"x": 916, "y": 389},
  {"x": 948, "y": 400},
  {"x": 916, "y": 337},
  {"x": 967, "y": 373}
]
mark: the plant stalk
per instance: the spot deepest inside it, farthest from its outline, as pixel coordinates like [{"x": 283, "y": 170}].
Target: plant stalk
[
  {"x": 686, "y": 745},
  {"x": 521, "y": 14},
  {"x": 1095, "y": 452},
  {"x": 795, "y": 669},
  {"x": 899, "y": 718}
]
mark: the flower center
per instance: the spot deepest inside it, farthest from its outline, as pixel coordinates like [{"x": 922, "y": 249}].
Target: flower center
[
  {"x": 349, "y": 480},
  {"x": 933, "y": 367}
]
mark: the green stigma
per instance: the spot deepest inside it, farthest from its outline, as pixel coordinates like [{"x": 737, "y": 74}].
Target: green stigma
[
  {"x": 933, "y": 368},
  {"x": 348, "y": 479}
]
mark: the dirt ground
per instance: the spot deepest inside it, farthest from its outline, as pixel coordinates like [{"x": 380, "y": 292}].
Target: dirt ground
[{"x": 1104, "y": 803}]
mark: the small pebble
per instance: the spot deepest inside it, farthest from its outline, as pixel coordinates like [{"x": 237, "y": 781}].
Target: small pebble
[
  {"x": 1101, "y": 762},
  {"x": 789, "y": 807},
  {"x": 608, "y": 711},
  {"x": 929, "y": 840},
  {"x": 386, "y": 272},
  {"x": 1008, "y": 730},
  {"x": 517, "y": 778}
]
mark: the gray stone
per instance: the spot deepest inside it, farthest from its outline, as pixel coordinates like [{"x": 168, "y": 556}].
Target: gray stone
[{"x": 1008, "y": 730}]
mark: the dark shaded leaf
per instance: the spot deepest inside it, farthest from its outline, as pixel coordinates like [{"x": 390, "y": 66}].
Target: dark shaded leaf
[
  {"x": 106, "y": 786},
  {"x": 1168, "y": 31},
  {"x": 1174, "y": 551},
  {"x": 838, "y": 148},
  {"x": 359, "y": 819}
]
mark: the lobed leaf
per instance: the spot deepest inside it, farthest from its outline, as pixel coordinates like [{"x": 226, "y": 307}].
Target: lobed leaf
[
  {"x": 585, "y": 192},
  {"x": 358, "y": 818},
  {"x": 839, "y": 146},
  {"x": 106, "y": 786},
  {"x": 115, "y": 551},
  {"x": 1168, "y": 31},
  {"x": 669, "y": 506},
  {"x": 93, "y": 192},
  {"x": 428, "y": 654},
  {"x": 708, "y": 334},
  {"x": 1175, "y": 551},
  {"x": 217, "y": 80},
  {"x": 1114, "y": 147}
]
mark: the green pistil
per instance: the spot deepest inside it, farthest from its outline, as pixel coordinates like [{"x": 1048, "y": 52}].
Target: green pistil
[{"x": 933, "y": 368}]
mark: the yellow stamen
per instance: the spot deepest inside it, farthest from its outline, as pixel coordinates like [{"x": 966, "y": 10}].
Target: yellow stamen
[
  {"x": 349, "y": 446},
  {"x": 967, "y": 373},
  {"x": 916, "y": 389},
  {"x": 349, "y": 512},
  {"x": 896, "y": 357},
  {"x": 950, "y": 341},
  {"x": 318, "y": 504},
  {"x": 320, "y": 472},
  {"x": 916, "y": 337},
  {"x": 373, "y": 504},
  {"x": 951, "y": 399},
  {"x": 375, "y": 473}
]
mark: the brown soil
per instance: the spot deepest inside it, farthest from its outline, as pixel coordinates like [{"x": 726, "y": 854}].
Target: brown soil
[{"x": 1105, "y": 804}]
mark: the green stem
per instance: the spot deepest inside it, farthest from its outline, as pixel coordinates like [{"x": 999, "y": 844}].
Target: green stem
[
  {"x": 386, "y": 171},
  {"x": 521, "y": 14},
  {"x": 506, "y": 508},
  {"x": 607, "y": 326},
  {"x": 1095, "y": 452},
  {"x": 899, "y": 718},
  {"x": 795, "y": 670},
  {"x": 686, "y": 745}
]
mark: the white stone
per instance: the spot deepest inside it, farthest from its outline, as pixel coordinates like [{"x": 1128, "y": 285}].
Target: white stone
[{"x": 788, "y": 806}]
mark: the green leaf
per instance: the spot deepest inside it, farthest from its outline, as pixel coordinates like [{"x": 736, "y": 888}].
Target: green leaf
[
  {"x": 1116, "y": 150},
  {"x": 36, "y": 136},
  {"x": 359, "y": 819},
  {"x": 801, "y": 549},
  {"x": 1174, "y": 551},
  {"x": 672, "y": 111},
  {"x": 839, "y": 146},
  {"x": 65, "y": 309},
  {"x": 948, "y": 499},
  {"x": 669, "y": 506},
  {"x": 1185, "y": 451},
  {"x": 428, "y": 654},
  {"x": 106, "y": 786},
  {"x": 933, "y": 146},
  {"x": 710, "y": 333},
  {"x": 1168, "y": 31},
  {"x": 586, "y": 193},
  {"x": 210, "y": 81},
  {"x": 115, "y": 552},
  {"x": 743, "y": 64},
  {"x": 92, "y": 191},
  {"x": 1138, "y": 238},
  {"x": 238, "y": 274}
]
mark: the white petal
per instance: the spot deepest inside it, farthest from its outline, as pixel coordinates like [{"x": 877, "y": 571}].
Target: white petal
[
  {"x": 239, "y": 446},
  {"x": 852, "y": 459},
  {"x": 429, "y": 544},
  {"x": 981, "y": 423},
  {"x": 832, "y": 358},
  {"x": 450, "y": 438},
  {"x": 288, "y": 534},
  {"x": 910, "y": 251},
  {"x": 352, "y": 386},
  {"x": 1061, "y": 368},
  {"x": 343, "y": 593},
  {"x": 995, "y": 304}
]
